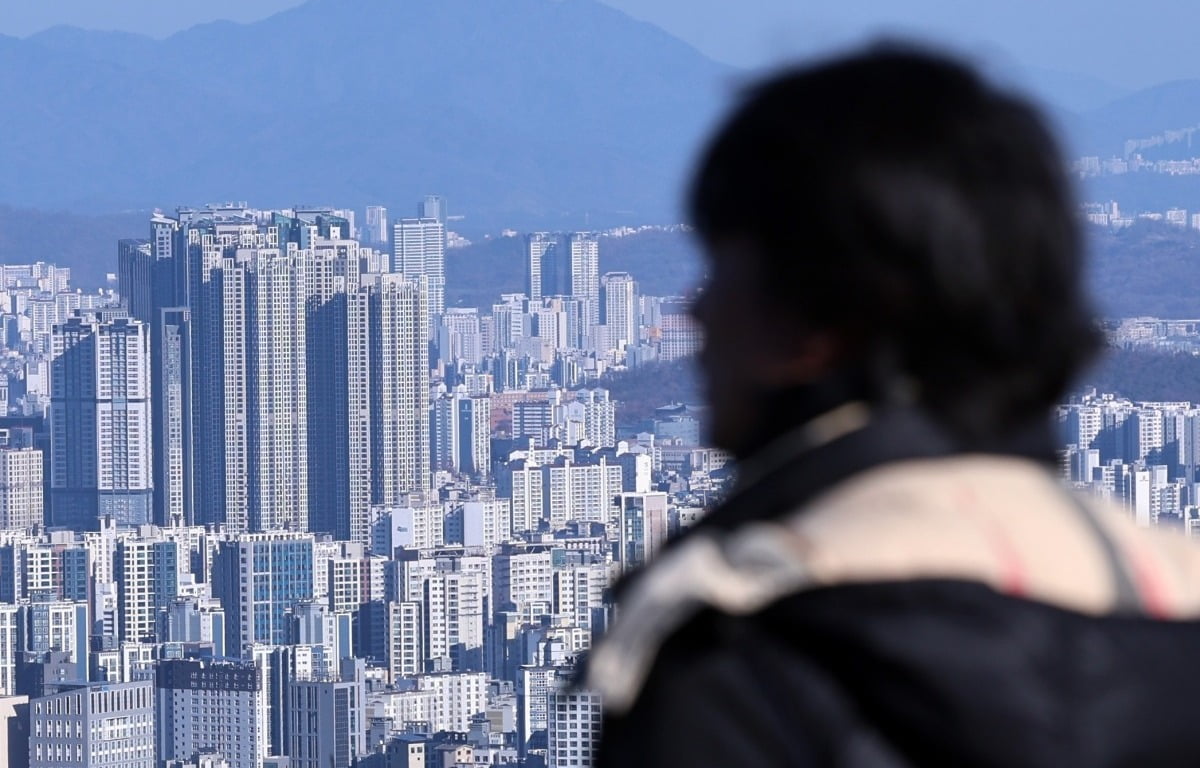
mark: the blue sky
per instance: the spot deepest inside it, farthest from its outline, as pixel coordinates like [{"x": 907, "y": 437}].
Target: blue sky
[{"x": 1127, "y": 46}]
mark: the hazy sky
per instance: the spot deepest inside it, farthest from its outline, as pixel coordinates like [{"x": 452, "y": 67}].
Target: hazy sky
[{"x": 1115, "y": 44}]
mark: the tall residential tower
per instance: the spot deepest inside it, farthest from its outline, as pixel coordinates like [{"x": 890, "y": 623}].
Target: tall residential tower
[
  {"x": 100, "y": 461},
  {"x": 419, "y": 251}
]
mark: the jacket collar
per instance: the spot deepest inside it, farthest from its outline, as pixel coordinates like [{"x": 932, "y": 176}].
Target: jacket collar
[{"x": 822, "y": 452}]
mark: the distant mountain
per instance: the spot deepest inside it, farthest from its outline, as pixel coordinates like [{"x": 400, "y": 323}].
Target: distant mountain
[
  {"x": 521, "y": 112},
  {"x": 1065, "y": 93},
  {"x": 1143, "y": 115},
  {"x": 1151, "y": 268},
  {"x": 1145, "y": 374},
  {"x": 85, "y": 243}
]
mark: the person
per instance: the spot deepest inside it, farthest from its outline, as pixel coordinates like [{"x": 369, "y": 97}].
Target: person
[{"x": 893, "y": 304}]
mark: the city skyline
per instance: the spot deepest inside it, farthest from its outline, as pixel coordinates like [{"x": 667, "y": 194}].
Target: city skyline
[
  {"x": 388, "y": 385},
  {"x": 416, "y": 512},
  {"x": 278, "y": 475}
]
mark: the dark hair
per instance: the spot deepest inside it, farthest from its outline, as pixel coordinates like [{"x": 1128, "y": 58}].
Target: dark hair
[{"x": 918, "y": 213}]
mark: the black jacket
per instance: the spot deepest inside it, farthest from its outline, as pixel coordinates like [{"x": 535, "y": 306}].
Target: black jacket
[{"x": 929, "y": 672}]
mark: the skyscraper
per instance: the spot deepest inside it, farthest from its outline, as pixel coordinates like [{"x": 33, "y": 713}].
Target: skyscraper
[
  {"x": 135, "y": 281},
  {"x": 339, "y": 398},
  {"x": 217, "y": 404},
  {"x": 54, "y": 626},
  {"x": 459, "y": 337},
  {"x": 444, "y": 434},
  {"x": 573, "y": 725},
  {"x": 618, "y": 309},
  {"x": 9, "y": 621},
  {"x": 404, "y": 632},
  {"x": 680, "y": 333},
  {"x": 419, "y": 250},
  {"x": 399, "y": 376},
  {"x": 643, "y": 528},
  {"x": 585, "y": 275},
  {"x": 170, "y": 361},
  {"x": 432, "y": 207},
  {"x": 462, "y": 433},
  {"x": 276, "y": 390},
  {"x": 152, "y": 286},
  {"x": 251, "y": 399},
  {"x": 327, "y": 720},
  {"x": 21, "y": 497},
  {"x": 377, "y": 226},
  {"x": 475, "y": 436},
  {"x": 543, "y": 277},
  {"x": 589, "y": 415},
  {"x": 100, "y": 423},
  {"x": 210, "y": 706}
]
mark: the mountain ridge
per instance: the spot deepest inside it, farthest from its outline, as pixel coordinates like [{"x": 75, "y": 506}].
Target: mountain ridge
[
  {"x": 548, "y": 114},
  {"x": 1169, "y": 106},
  {"x": 518, "y": 112}
]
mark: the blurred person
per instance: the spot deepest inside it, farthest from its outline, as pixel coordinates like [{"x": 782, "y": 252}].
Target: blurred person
[{"x": 893, "y": 304}]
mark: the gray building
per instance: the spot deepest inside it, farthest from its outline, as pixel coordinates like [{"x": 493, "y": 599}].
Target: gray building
[
  {"x": 152, "y": 289},
  {"x": 97, "y": 725},
  {"x": 339, "y": 394},
  {"x": 100, "y": 420},
  {"x": 328, "y": 720},
  {"x": 210, "y": 707},
  {"x": 585, "y": 275},
  {"x": 376, "y": 231},
  {"x": 56, "y": 627},
  {"x": 543, "y": 275},
  {"x": 170, "y": 355}
]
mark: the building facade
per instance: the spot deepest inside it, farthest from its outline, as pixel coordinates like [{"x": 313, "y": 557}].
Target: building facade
[
  {"x": 210, "y": 706},
  {"x": 101, "y": 423},
  {"x": 259, "y": 577},
  {"x": 21, "y": 493},
  {"x": 419, "y": 251},
  {"x": 399, "y": 378},
  {"x": 100, "y": 725}
]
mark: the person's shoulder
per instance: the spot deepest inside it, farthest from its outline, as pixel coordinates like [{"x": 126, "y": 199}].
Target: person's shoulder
[
  {"x": 732, "y": 690},
  {"x": 1002, "y": 523}
]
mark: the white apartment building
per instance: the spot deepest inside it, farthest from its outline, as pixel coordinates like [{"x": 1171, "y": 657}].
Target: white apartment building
[
  {"x": 619, "y": 314},
  {"x": 573, "y": 728},
  {"x": 419, "y": 251},
  {"x": 399, "y": 365},
  {"x": 565, "y": 491},
  {"x": 21, "y": 502},
  {"x": 100, "y": 725},
  {"x": 585, "y": 275},
  {"x": 8, "y": 649},
  {"x": 456, "y": 698}
]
